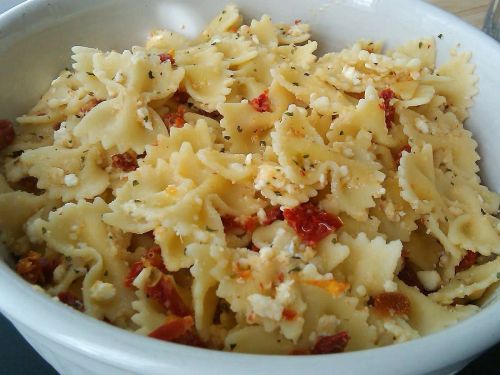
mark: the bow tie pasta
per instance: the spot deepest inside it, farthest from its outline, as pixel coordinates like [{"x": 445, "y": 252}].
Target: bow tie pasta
[{"x": 239, "y": 192}]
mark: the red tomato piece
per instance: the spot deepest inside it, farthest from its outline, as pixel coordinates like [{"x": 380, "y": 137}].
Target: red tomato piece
[
  {"x": 397, "y": 157},
  {"x": 467, "y": 261},
  {"x": 289, "y": 314},
  {"x": 173, "y": 329},
  {"x": 7, "y": 133},
  {"x": 386, "y": 95},
  {"x": 166, "y": 57},
  {"x": 36, "y": 269},
  {"x": 152, "y": 257},
  {"x": 127, "y": 161},
  {"x": 175, "y": 119},
  {"x": 71, "y": 300},
  {"x": 166, "y": 294},
  {"x": 262, "y": 102},
  {"x": 250, "y": 223},
  {"x": 273, "y": 213},
  {"x": 231, "y": 223},
  {"x": 254, "y": 247},
  {"x": 311, "y": 223},
  {"x": 391, "y": 303},
  {"x": 331, "y": 344}
]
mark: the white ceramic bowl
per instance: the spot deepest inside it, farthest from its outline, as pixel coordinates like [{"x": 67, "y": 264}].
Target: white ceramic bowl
[{"x": 35, "y": 41}]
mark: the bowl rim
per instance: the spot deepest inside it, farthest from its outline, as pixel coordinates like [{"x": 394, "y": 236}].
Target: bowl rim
[{"x": 113, "y": 340}]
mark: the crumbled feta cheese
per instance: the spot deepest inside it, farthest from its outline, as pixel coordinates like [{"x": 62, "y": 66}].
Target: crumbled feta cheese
[
  {"x": 143, "y": 115},
  {"x": 327, "y": 325},
  {"x": 348, "y": 153},
  {"x": 360, "y": 290},
  {"x": 422, "y": 126},
  {"x": 71, "y": 180},
  {"x": 431, "y": 280},
  {"x": 321, "y": 104},
  {"x": 371, "y": 93},
  {"x": 261, "y": 215},
  {"x": 351, "y": 74},
  {"x": 390, "y": 286},
  {"x": 102, "y": 291},
  {"x": 344, "y": 170},
  {"x": 248, "y": 159}
]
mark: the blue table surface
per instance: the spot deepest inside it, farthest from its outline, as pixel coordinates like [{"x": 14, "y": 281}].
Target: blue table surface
[{"x": 17, "y": 356}]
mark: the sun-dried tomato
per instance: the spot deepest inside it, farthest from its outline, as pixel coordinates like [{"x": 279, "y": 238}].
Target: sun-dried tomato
[
  {"x": 7, "y": 133},
  {"x": 387, "y": 95},
  {"x": 179, "y": 330},
  {"x": 231, "y": 223},
  {"x": 331, "y": 344},
  {"x": 391, "y": 303},
  {"x": 173, "y": 329},
  {"x": 254, "y": 247},
  {"x": 152, "y": 257},
  {"x": 399, "y": 154},
  {"x": 36, "y": 269},
  {"x": 167, "y": 57},
  {"x": 190, "y": 338},
  {"x": 134, "y": 271},
  {"x": 262, "y": 103},
  {"x": 273, "y": 213},
  {"x": 289, "y": 314},
  {"x": 175, "y": 119},
  {"x": 71, "y": 300},
  {"x": 250, "y": 223},
  {"x": 311, "y": 223},
  {"x": 166, "y": 294},
  {"x": 467, "y": 261},
  {"x": 127, "y": 161},
  {"x": 181, "y": 96}
]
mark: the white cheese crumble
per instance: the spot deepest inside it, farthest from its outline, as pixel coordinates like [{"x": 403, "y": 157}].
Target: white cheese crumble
[
  {"x": 102, "y": 291},
  {"x": 431, "y": 280},
  {"x": 390, "y": 286},
  {"x": 360, "y": 290},
  {"x": 327, "y": 325},
  {"x": 344, "y": 170},
  {"x": 351, "y": 74},
  {"x": 422, "y": 126},
  {"x": 143, "y": 115},
  {"x": 71, "y": 180}
]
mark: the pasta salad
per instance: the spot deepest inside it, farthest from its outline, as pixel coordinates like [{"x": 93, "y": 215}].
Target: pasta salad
[{"x": 238, "y": 192}]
